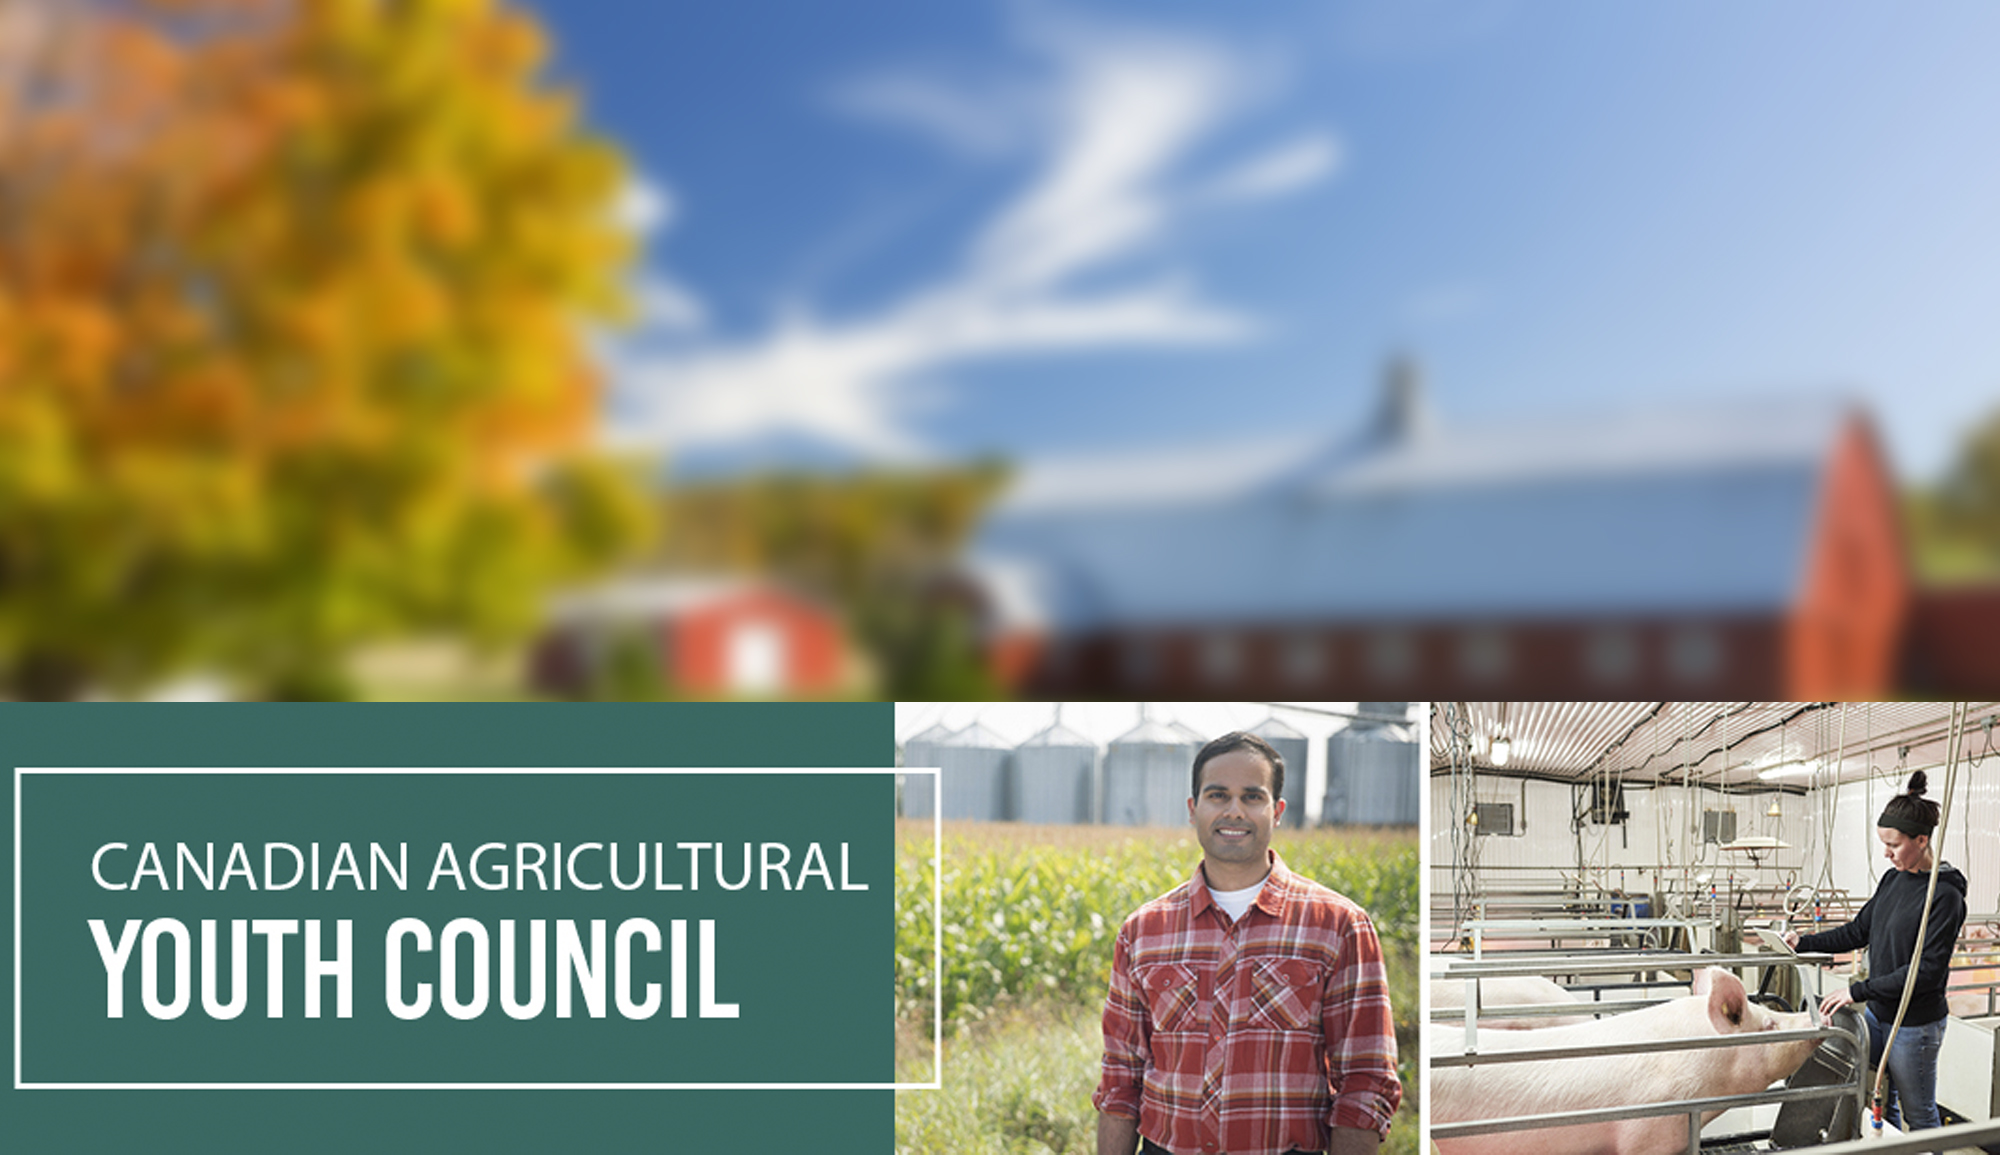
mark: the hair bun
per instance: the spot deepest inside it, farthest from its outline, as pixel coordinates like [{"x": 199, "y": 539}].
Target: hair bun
[{"x": 1917, "y": 783}]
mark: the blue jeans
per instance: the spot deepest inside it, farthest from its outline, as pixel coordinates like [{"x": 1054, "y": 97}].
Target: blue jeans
[{"x": 1912, "y": 1070}]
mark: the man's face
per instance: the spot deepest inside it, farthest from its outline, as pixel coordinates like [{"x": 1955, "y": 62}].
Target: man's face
[{"x": 1234, "y": 812}]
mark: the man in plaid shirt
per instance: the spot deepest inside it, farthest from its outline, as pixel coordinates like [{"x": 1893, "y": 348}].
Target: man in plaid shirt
[{"x": 1248, "y": 1014}]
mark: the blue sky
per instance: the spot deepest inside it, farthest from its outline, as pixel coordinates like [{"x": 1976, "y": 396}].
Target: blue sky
[{"x": 904, "y": 228}]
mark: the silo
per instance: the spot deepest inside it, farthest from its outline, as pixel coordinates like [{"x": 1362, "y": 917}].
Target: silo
[
  {"x": 1292, "y": 746},
  {"x": 1371, "y": 777},
  {"x": 1146, "y": 776},
  {"x": 1053, "y": 776},
  {"x": 973, "y": 772},
  {"x": 919, "y": 790},
  {"x": 1393, "y": 711}
]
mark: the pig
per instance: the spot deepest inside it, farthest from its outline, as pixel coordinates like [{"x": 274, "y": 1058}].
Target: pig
[
  {"x": 1967, "y": 971},
  {"x": 1719, "y": 1006},
  {"x": 1524, "y": 990}
]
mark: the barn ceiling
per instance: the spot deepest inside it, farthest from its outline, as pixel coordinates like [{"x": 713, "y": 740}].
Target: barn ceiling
[{"x": 1738, "y": 744}]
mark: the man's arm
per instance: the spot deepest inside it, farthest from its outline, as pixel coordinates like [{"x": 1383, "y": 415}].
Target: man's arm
[
  {"x": 1344, "y": 1141},
  {"x": 1360, "y": 1034},
  {"x": 1126, "y": 1032},
  {"x": 1117, "y": 1135}
]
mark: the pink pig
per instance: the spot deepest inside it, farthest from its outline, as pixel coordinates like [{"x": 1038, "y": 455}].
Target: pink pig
[
  {"x": 1519, "y": 991},
  {"x": 1719, "y": 1006}
]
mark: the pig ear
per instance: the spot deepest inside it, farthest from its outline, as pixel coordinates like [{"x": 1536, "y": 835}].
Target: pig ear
[{"x": 1726, "y": 1000}]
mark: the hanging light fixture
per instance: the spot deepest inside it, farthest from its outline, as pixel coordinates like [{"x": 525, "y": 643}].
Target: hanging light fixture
[{"x": 1499, "y": 748}]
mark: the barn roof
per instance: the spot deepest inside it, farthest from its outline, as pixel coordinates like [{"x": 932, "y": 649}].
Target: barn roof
[{"x": 1700, "y": 507}]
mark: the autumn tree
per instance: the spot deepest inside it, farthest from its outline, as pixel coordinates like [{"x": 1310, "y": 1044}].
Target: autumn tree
[{"x": 293, "y": 305}]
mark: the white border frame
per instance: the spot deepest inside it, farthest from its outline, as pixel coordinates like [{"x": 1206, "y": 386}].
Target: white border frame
[{"x": 937, "y": 925}]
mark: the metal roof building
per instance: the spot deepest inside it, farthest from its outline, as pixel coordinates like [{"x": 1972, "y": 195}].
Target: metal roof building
[
  {"x": 920, "y": 790},
  {"x": 1146, "y": 776},
  {"x": 1055, "y": 777},
  {"x": 974, "y": 774},
  {"x": 1293, "y": 747},
  {"x": 1709, "y": 545}
]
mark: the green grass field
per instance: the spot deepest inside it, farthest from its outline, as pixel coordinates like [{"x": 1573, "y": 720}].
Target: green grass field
[{"x": 1030, "y": 914}]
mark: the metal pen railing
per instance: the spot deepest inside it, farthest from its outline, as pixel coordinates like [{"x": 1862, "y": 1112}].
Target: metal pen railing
[
  {"x": 1693, "y": 1108},
  {"x": 1596, "y": 963}
]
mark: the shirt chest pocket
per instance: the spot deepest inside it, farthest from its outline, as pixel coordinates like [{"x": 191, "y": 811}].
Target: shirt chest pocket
[
  {"x": 1285, "y": 993},
  {"x": 1172, "y": 993}
]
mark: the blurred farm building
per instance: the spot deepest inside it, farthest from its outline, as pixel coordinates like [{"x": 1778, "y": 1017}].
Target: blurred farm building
[
  {"x": 722, "y": 637},
  {"x": 1737, "y": 548}
]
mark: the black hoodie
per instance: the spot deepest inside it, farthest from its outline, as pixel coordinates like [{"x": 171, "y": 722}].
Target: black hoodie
[{"x": 1888, "y": 925}]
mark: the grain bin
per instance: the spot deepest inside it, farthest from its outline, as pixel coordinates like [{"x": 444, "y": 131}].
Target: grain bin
[
  {"x": 1146, "y": 776},
  {"x": 920, "y": 790},
  {"x": 1292, "y": 746},
  {"x": 1054, "y": 777},
  {"x": 974, "y": 766},
  {"x": 1371, "y": 777}
]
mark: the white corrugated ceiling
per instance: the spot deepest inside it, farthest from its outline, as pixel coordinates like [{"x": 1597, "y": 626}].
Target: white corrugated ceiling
[{"x": 1726, "y": 743}]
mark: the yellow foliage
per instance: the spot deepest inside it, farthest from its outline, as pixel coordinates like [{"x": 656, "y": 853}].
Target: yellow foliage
[{"x": 289, "y": 336}]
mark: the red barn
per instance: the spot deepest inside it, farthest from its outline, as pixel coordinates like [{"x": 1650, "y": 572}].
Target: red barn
[
  {"x": 720, "y": 637},
  {"x": 1737, "y": 548}
]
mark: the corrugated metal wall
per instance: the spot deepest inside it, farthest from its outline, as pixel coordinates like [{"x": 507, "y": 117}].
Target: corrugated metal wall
[
  {"x": 1372, "y": 778},
  {"x": 1294, "y": 748},
  {"x": 975, "y": 775},
  {"x": 1146, "y": 783},
  {"x": 920, "y": 790},
  {"x": 1659, "y": 830},
  {"x": 1971, "y": 843},
  {"x": 1055, "y": 784}
]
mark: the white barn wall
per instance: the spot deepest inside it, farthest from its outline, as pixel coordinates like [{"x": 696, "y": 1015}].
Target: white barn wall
[
  {"x": 1971, "y": 843},
  {"x": 1659, "y": 831},
  {"x": 1974, "y": 844}
]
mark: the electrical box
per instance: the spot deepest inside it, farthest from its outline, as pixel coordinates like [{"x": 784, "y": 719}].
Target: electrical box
[
  {"x": 1494, "y": 818},
  {"x": 1607, "y": 803}
]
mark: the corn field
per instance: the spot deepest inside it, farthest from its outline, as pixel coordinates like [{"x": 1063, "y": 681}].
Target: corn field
[
  {"x": 1030, "y": 915},
  {"x": 1032, "y": 912}
]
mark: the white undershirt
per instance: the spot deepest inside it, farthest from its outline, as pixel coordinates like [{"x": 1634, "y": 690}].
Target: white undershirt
[{"x": 1235, "y": 902}]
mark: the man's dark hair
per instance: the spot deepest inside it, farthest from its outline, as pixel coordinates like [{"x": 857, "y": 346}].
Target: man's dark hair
[{"x": 1240, "y": 740}]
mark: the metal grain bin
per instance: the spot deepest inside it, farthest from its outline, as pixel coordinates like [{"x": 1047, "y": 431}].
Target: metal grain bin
[
  {"x": 920, "y": 790},
  {"x": 974, "y": 768},
  {"x": 1054, "y": 775},
  {"x": 1371, "y": 777},
  {"x": 1146, "y": 776},
  {"x": 1293, "y": 747}
]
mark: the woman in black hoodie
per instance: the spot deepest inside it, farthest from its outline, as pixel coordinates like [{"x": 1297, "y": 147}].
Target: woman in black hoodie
[{"x": 1887, "y": 925}]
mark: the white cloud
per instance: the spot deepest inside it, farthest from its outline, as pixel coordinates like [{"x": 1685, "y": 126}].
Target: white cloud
[
  {"x": 982, "y": 121},
  {"x": 668, "y": 306},
  {"x": 1285, "y": 169},
  {"x": 1120, "y": 115},
  {"x": 645, "y": 206}
]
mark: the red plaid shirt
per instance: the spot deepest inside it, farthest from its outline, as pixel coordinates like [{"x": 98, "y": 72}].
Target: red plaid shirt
[{"x": 1253, "y": 1036}]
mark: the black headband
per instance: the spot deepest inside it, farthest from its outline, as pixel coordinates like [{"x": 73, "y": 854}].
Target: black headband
[{"x": 1902, "y": 822}]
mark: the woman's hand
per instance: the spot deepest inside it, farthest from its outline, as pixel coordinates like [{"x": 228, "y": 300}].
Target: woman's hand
[
  {"x": 1792, "y": 939},
  {"x": 1836, "y": 1000}
]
